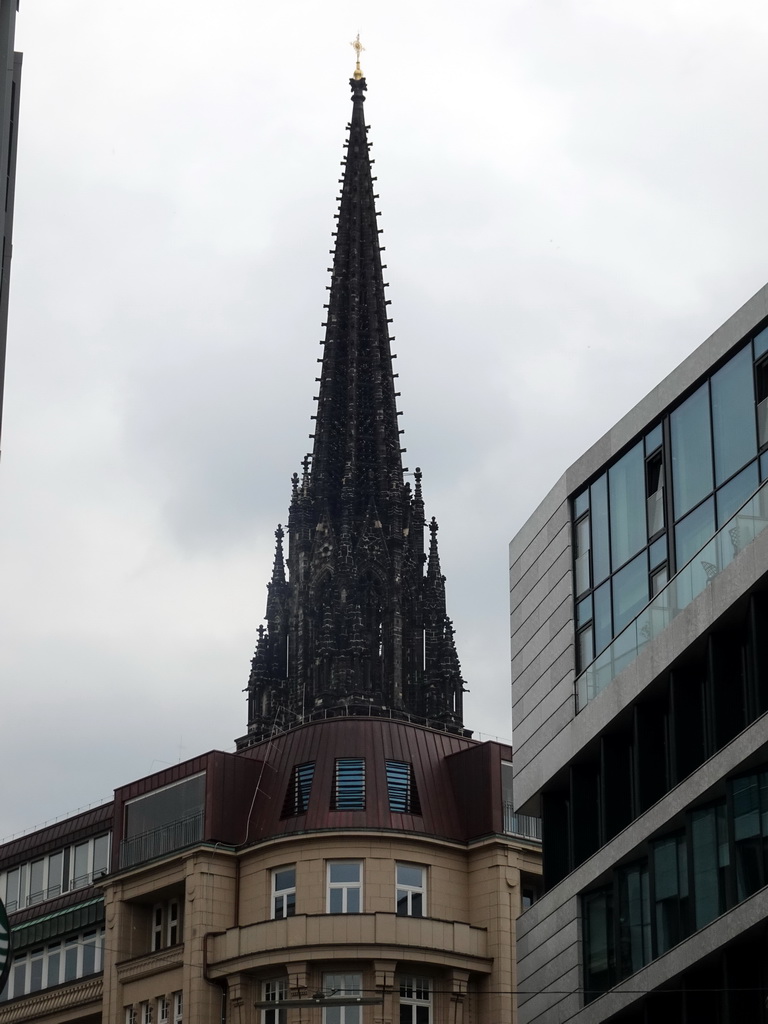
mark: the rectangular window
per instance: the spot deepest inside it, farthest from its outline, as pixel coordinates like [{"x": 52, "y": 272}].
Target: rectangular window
[
  {"x": 89, "y": 947},
  {"x": 35, "y": 970},
  {"x": 168, "y": 819},
  {"x": 634, "y": 919},
  {"x": 166, "y": 925},
  {"x": 163, "y": 1010},
  {"x": 178, "y": 1008},
  {"x": 55, "y": 875},
  {"x": 157, "y": 928},
  {"x": 173, "y": 932},
  {"x": 670, "y": 872},
  {"x": 70, "y": 959},
  {"x": 130, "y": 1015},
  {"x": 53, "y": 975},
  {"x": 415, "y": 1001},
  {"x": 273, "y": 991},
  {"x": 709, "y": 851},
  {"x": 146, "y": 1013},
  {"x": 349, "y": 784},
  {"x": 299, "y": 788},
  {"x": 599, "y": 946},
  {"x": 691, "y": 451},
  {"x": 284, "y": 892},
  {"x": 410, "y": 890},
  {"x": 36, "y": 882},
  {"x": 80, "y": 873},
  {"x": 339, "y": 986},
  {"x": 581, "y": 555},
  {"x": 626, "y": 489},
  {"x": 401, "y": 788},
  {"x": 750, "y": 832},
  {"x": 345, "y": 886}
]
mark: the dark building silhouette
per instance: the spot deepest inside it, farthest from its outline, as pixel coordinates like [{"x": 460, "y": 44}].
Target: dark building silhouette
[
  {"x": 359, "y": 625},
  {"x": 10, "y": 85}
]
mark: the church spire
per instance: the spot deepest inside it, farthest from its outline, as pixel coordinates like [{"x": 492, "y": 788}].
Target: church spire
[{"x": 358, "y": 627}]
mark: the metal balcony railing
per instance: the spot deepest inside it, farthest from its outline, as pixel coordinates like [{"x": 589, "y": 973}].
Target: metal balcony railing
[
  {"x": 523, "y": 825},
  {"x": 159, "y": 841}
]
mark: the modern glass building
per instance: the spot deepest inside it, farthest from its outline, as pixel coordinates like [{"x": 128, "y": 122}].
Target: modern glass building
[{"x": 639, "y": 604}]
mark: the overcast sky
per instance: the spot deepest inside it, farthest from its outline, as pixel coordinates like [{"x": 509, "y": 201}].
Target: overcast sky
[{"x": 573, "y": 196}]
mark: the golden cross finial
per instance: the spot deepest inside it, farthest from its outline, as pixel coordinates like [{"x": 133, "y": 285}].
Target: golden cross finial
[{"x": 358, "y": 47}]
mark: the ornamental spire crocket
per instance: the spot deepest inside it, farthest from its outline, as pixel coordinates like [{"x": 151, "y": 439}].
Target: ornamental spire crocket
[{"x": 358, "y": 627}]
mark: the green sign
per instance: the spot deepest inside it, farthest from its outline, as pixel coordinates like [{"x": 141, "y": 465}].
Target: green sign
[{"x": 5, "y": 947}]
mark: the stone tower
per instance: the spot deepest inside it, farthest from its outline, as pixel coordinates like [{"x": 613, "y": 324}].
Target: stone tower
[{"x": 358, "y": 625}]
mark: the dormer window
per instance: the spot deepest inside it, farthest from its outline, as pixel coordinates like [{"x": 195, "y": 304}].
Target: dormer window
[{"x": 349, "y": 784}]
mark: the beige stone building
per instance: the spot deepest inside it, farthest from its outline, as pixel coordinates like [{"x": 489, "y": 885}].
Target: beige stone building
[{"x": 359, "y": 871}]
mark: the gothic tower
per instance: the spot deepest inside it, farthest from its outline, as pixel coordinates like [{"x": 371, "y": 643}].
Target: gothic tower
[{"x": 359, "y": 625}]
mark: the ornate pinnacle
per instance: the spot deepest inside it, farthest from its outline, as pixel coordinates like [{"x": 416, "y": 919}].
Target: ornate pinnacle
[{"x": 358, "y": 47}]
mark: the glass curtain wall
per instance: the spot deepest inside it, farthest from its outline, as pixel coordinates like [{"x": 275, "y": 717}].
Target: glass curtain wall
[{"x": 649, "y": 513}]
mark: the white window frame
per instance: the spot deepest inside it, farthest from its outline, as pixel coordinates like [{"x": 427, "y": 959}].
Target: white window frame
[
  {"x": 281, "y": 897},
  {"x": 178, "y": 1008},
  {"x": 406, "y": 891},
  {"x": 416, "y": 993},
  {"x": 57, "y": 948},
  {"x": 274, "y": 989},
  {"x": 146, "y": 1012},
  {"x": 166, "y": 925},
  {"x": 344, "y": 887},
  {"x": 62, "y": 882},
  {"x": 350, "y": 984},
  {"x": 163, "y": 1010},
  {"x": 130, "y": 1015}
]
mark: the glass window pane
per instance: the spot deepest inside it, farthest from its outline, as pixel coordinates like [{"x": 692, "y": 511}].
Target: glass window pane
[
  {"x": 80, "y": 875},
  {"x": 285, "y": 879},
  {"x": 733, "y": 415},
  {"x": 580, "y": 504},
  {"x": 658, "y": 552},
  {"x": 583, "y": 612},
  {"x": 100, "y": 854},
  {"x": 601, "y": 552},
  {"x": 602, "y": 620},
  {"x": 653, "y": 439},
  {"x": 706, "y": 873},
  {"x": 630, "y": 591},
  {"x": 761, "y": 343},
  {"x": 585, "y": 648},
  {"x": 732, "y": 495},
  {"x": 55, "y": 867},
  {"x": 694, "y": 531},
  {"x": 626, "y": 483},
  {"x": 581, "y": 568},
  {"x": 345, "y": 871},
  {"x": 407, "y": 874},
  {"x": 691, "y": 451}
]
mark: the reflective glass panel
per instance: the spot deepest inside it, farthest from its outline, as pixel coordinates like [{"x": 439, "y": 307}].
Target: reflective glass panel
[
  {"x": 601, "y": 552},
  {"x": 580, "y": 504},
  {"x": 653, "y": 439},
  {"x": 626, "y": 484},
  {"x": 691, "y": 451},
  {"x": 761, "y": 343},
  {"x": 732, "y": 495},
  {"x": 630, "y": 591},
  {"x": 658, "y": 552},
  {"x": 583, "y": 611},
  {"x": 602, "y": 620},
  {"x": 694, "y": 531},
  {"x": 733, "y": 415}
]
